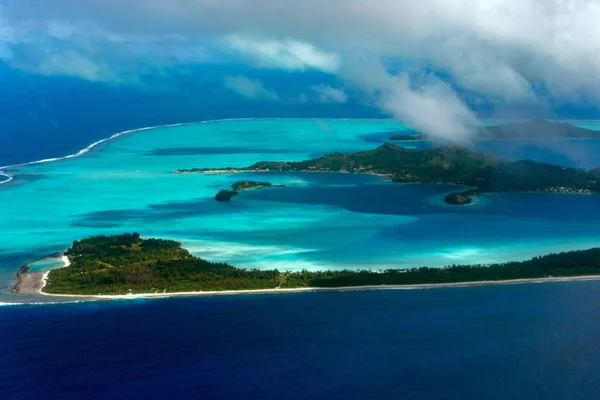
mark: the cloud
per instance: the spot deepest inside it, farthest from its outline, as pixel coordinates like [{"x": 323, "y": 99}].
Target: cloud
[
  {"x": 328, "y": 94},
  {"x": 423, "y": 101},
  {"x": 249, "y": 88},
  {"x": 72, "y": 64},
  {"x": 286, "y": 54},
  {"x": 432, "y": 107},
  {"x": 505, "y": 51}
]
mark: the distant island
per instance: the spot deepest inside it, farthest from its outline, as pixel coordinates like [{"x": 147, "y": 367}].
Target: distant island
[
  {"x": 534, "y": 129},
  {"x": 227, "y": 195},
  {"x": 245, "y": 185},
  {"x": 459, "y": 199},
  {"x": 129, "y": 264},
  {"x": 481, "y": 172}
]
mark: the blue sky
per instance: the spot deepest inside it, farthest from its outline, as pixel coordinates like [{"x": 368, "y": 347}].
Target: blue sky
[{"x": 437, "y": 65}]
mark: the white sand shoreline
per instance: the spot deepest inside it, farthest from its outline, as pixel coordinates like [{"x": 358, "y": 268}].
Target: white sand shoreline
[
  {"x": 65, "y": 260},
  {"x": 43, "y": 282},
  {"x": 134, "y": 296}
]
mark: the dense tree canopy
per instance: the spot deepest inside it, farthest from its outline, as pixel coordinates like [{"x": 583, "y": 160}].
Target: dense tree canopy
[{"x": 127, "y": 263}]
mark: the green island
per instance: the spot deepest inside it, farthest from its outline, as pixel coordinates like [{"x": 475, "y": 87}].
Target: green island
[
  {"x": 245, "y": 185},
  {"x": 130, "y": 264},
  {"x": 528, "y": 130},
  {"x": 481, "y": 172},
  {"x": 227, "y": 195},
  {"x": 459, "y": 199}
]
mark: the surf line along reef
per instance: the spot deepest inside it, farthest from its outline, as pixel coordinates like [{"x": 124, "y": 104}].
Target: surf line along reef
[
  {"x": 481, "y": 172},
  {"x": 128, "y": 264}
]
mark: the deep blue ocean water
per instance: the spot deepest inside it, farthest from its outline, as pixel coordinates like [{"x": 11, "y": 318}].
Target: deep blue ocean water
[{"x": 535, "y": 341}]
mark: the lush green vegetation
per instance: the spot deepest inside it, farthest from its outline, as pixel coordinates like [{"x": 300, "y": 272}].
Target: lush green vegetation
[
  {"x": 225, "y": 195},
  {"x": 458, "y": 199},
  {"x": 116, "y": 264},
  {"x": 534, "y": 129},
  {"x": 449, "y": 164},
  {"x": 243, "y": 185},
  {"x": 446, "y": 164},
  {"x": 569, "y": 264},
  {"x": 129, "y": 264}
]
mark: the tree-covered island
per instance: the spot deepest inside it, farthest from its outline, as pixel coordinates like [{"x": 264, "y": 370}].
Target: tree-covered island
[
  {"x": 245, "y": 185},
  {"x": 534, "y": 129},
  {"x": 227, "y": 195},
  {"x": 483, "y": 173},
  {"x": 128, "y": 263}
]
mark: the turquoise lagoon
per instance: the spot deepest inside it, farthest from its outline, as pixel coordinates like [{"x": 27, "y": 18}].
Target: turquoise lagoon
[{"x": 317, "y": 221}]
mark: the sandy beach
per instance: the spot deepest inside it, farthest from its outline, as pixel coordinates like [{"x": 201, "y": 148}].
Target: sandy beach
[
  {"x": 65, "y": 260},
  {"x": 32, "y": 283}
]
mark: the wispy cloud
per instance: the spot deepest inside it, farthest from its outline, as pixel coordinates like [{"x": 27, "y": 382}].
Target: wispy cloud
[
  {"x": 250, "y": 88},
  {"x": 286, "y": 54},
  {"x": 328, "y": 94}
]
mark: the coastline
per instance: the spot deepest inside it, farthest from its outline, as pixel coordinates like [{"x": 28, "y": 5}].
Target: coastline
[
  {"x": 33, "y": 283},
  {"x": 233, "y": 171},
  {"x": 65, "y": 261}
]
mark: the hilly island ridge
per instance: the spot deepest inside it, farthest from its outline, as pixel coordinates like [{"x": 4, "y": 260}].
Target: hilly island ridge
[
  {"x": 450, "y": 164},
  {"x": 527, "y": 130}
]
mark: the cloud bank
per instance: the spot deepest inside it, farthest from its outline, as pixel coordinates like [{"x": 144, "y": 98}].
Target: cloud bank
[{"x": 415, "y": 59}]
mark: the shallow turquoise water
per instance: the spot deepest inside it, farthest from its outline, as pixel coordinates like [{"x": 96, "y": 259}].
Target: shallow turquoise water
[{"x": 317, "y": 221}]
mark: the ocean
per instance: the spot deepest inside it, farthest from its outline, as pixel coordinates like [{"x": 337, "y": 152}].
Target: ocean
[
  {"x": 537, "y": 341},
  {"x": 525, "y": 341}
]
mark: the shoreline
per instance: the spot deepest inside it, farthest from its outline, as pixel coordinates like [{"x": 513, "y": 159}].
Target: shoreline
[
  {"x": 33, "y": 283},
  {"x": 65, "y": 261},
  {"x": 387, "y": 177},
  {"x": 263, "y": 171}
]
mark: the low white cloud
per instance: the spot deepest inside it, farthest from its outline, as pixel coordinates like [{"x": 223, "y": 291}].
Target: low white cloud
[
  {"x": 328, "y": 94},
  {"x": 72, "y": 64},
  {"x": 250, "y": 88},
  {"x": 432, "y": 107},
  {"x": 423, "y": 102},
  {"x": 287, "y": 54}
]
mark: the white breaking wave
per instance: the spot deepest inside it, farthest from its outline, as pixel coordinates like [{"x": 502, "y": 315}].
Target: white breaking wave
[
  {"x": 116, "y": 135},
  {"x": 10, "y": 178},
  {"x": 40, "y": 303}
]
